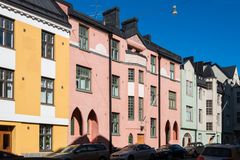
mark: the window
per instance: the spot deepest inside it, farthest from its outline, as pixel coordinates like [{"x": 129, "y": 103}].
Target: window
[
  {"x": 189, "y": 111},
  {"x": 153, "y": 127},
  {"x": 140, "y": 109},
  {"x": 209, "y": 85},
  {"x": 130, "y": 139},
  {"x": 45, "y": 137},
  {"x": 141, "y": 78},
  {"x": 238, "y": 97},
  {"x": 172, "y": 100},
  {"x": 6, "y": 84},
  {"x": 153, "y": 64},
  {"x": 130, "y": 107},
  {"x": 189, "y": 88},
  {"x": 131, "y": 75},
  {"x": 83, "y": 78},
  {"x": 115, "y": 86},
  {"x": 47, "y": 45},
  {"x": 172, "y": 71},
  {"x": 209, "y": 126},
  {"x": 6, "y": 32},
  {"x": 218, "y": 119},
  {"x": 209, "y": 107},
  {"x": 200, "y": 115},
  {"x": 238, "y": 117},
  {"x": 200, "y": 93},
  {"x": 115, "y": 123},
  {"x": 115, "y": 50},
  {"x": 47, "y": 91},
  {"x": 83, "y": 38},
  {"x": 153, "y": 96}
]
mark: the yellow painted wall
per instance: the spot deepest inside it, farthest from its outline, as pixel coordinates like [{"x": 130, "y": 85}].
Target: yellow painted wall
[
  {"x": 27, "y": 80},
  {"x": 60, "y": 134},
  {"x": 61, "y": 88}
]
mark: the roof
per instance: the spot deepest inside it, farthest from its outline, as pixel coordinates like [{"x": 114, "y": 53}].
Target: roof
[
  {"x": 229, "y": 71},
  {"x": 48, "y": 9},
  {"x": 208, "y": 72}
]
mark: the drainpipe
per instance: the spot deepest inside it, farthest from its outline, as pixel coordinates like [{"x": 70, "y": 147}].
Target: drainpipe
[
  {"x": 159, "y": 101},
  {"x": 110, "y": 92}
]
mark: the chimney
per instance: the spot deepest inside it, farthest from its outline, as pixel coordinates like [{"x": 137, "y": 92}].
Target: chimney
[
  {"x": 130, "y": 25},
  {"x": 191, "y": 59},
  {"x": 111, "y": 18}
]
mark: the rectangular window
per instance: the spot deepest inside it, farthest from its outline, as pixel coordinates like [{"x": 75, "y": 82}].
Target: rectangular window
[
  {"x": 189, "y": 88},
  {"x": 45, "y": 138},
  {"x": 47, "y": 45},
  {"x": 172, "y": 100},
  {"x": 200, "y": 115},
  {"x": 141, "y": 77},
  {"x": 218, "y": 119},
  {"x": 83, "y": 78},
  {"x": 131, "y": 75},
  {"x": 130, "y": 107},
  {"x": 172, "y": 71},
  {"x": 238, "y": 97},
  {"x": 83, "y": 37},
  {"x": 238, "y": 117},
  {"x": 189, "y": 111},
  {"x": 47, "y": 91},
  {"x": 209, "y": 126},
  {"x": 6, "y": 32},
  {"x": 140, "y": 109},
  {"x": 153, "y": 127},
  {"x": 115, "y": 50},
  {"x": 6, "y": 84},
  {"x": 153, "y": 96},
  {"x": 115, "y": 123},
  {"x": 209, "y": 85},
  {"x": 115, "y": 86},
  {"x": 153, "y": 64},
  {"x": 209, "y": 107},
  {"x": 200, "y": 93}
]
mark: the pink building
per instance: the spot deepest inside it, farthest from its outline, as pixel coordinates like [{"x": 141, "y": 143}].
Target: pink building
[{"x": 117, "y": 92}]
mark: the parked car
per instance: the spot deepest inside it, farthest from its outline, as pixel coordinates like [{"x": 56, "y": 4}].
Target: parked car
[
  {"x": 220, "y": 152},
  {"x": 194, "y": 149},
  {"x": 8, "y": 155},
  {"x": 135, "y": 152},
  {"x": 83, "y": 152},
  {"x": 171, "y": 151}
]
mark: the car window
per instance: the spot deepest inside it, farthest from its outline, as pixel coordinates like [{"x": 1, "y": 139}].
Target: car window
[
  {"x": 217, "y": 152},
  {"x": 91, "y": 148},
  {"x": 100, "y": 147},
  {"x": 81, "y": 149}
]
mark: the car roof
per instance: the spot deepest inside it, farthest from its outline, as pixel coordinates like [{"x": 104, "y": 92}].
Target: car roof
[{"x": 223, "y": 146}]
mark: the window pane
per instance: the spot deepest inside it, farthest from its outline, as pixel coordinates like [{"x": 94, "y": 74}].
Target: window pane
[
  {"x": 9, "y": 39},
  {"x": 2, "y": 89},
  {"x": 9, "y": 90},
  {"x": 9, "y": 76},
  {"x": 83, "y": 84},
  {"x": 8, "y": 25},
  {"x": 50, "y": 97},
  {"x": 2, "y": 75},
  {"x": 1, "y": 37},
  {"x": 43, "y": 95},
  {"x": 1, "y": 22}
]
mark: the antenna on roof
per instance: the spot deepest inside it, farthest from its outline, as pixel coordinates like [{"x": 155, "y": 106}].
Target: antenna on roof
[{"x": 96, "y": 13}]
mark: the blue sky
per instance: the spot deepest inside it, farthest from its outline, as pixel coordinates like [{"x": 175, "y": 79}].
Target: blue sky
[{"x": 209, "y": 30}]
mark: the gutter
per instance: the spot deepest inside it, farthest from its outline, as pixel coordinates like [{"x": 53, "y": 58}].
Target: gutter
[{"x": 159, "y": 102}]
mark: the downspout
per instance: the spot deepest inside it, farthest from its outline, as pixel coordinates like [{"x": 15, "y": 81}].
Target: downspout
[
  {"x": 159, "y": 101},
  {"x": 110, "y": 92}
]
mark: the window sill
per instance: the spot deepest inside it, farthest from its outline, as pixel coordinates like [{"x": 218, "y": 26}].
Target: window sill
[
  {"x": 116, "y": 97},
  {"x": 84, "y": 91},
  {"x": 49, "y": 59},
  {"x": 130, "y": 119},
  {"x": 189, "y": 121},
  {"x": 116, "y": 60},
  {"x": 141, "y": 83},
  {"x": 8, "y": 47},
  {"x": 46, "y": 151},
  {"x": 153, "y": 137},
  {"x": 154, "y": 105},
  {"x": 175, "y": 109},
  {"x": 46, "y": 104},
  {"x": 7, "y": 99},
  {"x": 131, "y": 81},
  {"x": 116, "y": 134},
  {"x": 85, "y": 50}
]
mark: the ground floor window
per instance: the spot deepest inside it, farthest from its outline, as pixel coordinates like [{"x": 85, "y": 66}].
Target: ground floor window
[{"x": 45, "y": 137}]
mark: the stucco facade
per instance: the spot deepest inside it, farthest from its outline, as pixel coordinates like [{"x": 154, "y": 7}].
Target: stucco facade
[{"x": 23, "y": 112}]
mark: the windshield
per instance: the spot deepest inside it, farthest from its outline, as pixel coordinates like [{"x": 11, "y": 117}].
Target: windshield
[
  {"x": 217, "y": 152},
  {"x": 69, "y": 149},
  {"x": 127, "y": 148}
]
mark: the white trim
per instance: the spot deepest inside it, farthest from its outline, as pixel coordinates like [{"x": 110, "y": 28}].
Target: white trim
[
  {"x": 7, "y": 113},
  {"x": 130, "y": 88},
  {"x": 141, "y": 90},
  {"x": 34, "y": 20},
  {"x": 48, "y": 68},
  {"x": 7, "y": 58}
]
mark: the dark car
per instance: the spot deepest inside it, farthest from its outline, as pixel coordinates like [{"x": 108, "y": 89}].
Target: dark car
[
  {"x": 83, "y": 152},
  {"x": 135, "y": 152},
  {"x": 171, "y": 151},
  {"x": 8, "y": 155},
  {"x": 194, "y": 149}
]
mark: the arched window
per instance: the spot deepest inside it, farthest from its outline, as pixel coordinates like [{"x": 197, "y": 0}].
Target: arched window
[{"x": 130, "y": 139}]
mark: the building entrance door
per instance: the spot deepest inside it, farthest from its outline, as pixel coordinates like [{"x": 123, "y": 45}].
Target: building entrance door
[
  {"x": 5, "y": 141},
  {"x": 140, "y": 138}
]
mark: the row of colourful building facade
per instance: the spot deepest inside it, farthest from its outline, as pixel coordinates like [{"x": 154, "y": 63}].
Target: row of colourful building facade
[{"x": 66, "y": 78}]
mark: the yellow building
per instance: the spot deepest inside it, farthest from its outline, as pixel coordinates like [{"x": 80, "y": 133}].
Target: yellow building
[{"x": 34, "y": 76}]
